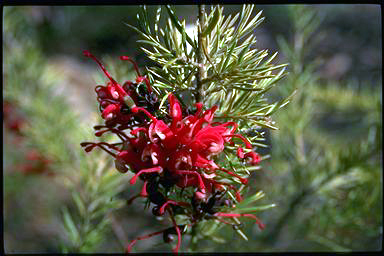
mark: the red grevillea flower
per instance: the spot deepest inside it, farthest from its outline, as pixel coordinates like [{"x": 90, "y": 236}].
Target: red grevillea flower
[
  {"x": 180, "y": 152},
  {"x": 177, "y": 152},
  {"x": 183, "y": 149},
  {"x": 116, "y": 101}
]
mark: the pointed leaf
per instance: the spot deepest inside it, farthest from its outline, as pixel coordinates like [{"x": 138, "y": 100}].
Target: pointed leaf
[
  {"x": 212, "y": 23},
  {"x": 70, "y": 225},
  {"x": 177, "y": 24}
]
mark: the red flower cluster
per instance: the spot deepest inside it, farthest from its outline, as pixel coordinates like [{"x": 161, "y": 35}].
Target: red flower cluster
[
  {"x": 167, "y": 155},
  {"x": 116, "y": 101},
  {"x": 183, "y": 149}
]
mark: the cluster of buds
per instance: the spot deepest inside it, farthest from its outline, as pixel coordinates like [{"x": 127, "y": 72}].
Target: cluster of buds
[
  {"x": 173, "y": 155},
  {"x": 116, "y": 101}
]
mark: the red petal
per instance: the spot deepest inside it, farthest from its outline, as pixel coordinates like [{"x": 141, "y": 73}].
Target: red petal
[
  {"x": 174, "y": 110},
  {"x": 162, "y": 208},
  {"x": 199, "y": 107},
  {"x": 202, "y": 162},
  {"x": 133, "y": 62},
  {"x": 157, "y": 169},
  {"x": 137, "y": 109},
  {"x": 255, "y": 158},
  {"x": 240, "y": 153},
  {"x": 179, "y": 160},
  {"x": 196, "y": 174},
  {"x": 90, "y": 55},
  {"x": 160, "y": 130},
  {"x": 154, "y": 153},
  {"x": 208, "y": 114},
  {"x": 110, "y": 111}
]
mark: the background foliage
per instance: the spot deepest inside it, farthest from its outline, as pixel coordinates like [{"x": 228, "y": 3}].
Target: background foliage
[{"x": 325, "y": 173}]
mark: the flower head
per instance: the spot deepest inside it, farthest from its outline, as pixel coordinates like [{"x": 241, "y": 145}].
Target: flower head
[
  {"x": 116, "y": 101},
  {"x": 171, "y": 154}
]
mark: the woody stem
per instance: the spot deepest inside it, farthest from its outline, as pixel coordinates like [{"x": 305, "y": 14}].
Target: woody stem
[
  {"x": 200, "y": 75},
  {"x": 193, "y": 242}
]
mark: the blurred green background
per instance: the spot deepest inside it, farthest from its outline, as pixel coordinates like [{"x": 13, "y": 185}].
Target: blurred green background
[{"x": 325, "y": 170}]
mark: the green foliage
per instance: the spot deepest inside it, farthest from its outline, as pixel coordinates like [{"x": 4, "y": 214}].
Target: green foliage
[
  {"x": 331, "y": 178},
  {"x": 56, "y": 131},
  {"x": 236, "y": 74},
  {"x": 217, "y": 64},
  {"x": 94, "y": 197},
  {"x": 325, "y": 170}
]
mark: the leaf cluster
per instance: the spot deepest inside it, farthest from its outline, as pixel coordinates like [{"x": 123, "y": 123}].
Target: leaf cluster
[
  {"x": 237, "y": 75},
  {"x": 328, "y": 180},
  {"x": 55, "y": 130},
  {"x": 95, "y": 199}
]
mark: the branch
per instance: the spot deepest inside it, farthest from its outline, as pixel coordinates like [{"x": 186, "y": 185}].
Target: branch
[
  {"x": 118, "y": 230},
  {"x": 200, "y": 56}
]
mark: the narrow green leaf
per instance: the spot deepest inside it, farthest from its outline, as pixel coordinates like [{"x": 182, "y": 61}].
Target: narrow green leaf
[
  {"x": 251, "y": 25},
  {"x": 140, "y": 22},
  {"x": 230, "y": 21},
  {"x": 170, "y": 63},
  {"x": 244, "y": 88},
  {"x": 190, "y": 74},
  {"x": 218, "y": 239},
  {"x": 156, "y": 74},
  {"x": 254, "y": 209},
  {"x": 245, "y": 14},
  {"x": 183, "y": 40},
  {"x": 70, "y": 225},
  {"x": 164, "y": 99},
  {"x": 177, "y": 24},
  {"x": 252, "y": 199},
  {"x": 231, "y": 100},
  {"x": 93, "y": 205},
  {"x": 280, "y": 104},
  {"x": 157, "y": 21},
  {"x": 154, "y": 44},
  {"x": 164, "y": 34},
  {"x": 134, "y": 28},
  {"x": 265, "y": 125},
  {"x": 228, "y": 57},
  {"x": 265, "y": 68},
  {"x": 212, "y": 23},
  {"x": 79, "y": 202},
  {"x": 176, "y": 46},
  {"x": 242, "y": 234},
  {"x": 145, "y": 20},
  {"x": 271, "y": 58},
  {"x": 243, "y": 51},
  {"x": 244, "y": 96}
]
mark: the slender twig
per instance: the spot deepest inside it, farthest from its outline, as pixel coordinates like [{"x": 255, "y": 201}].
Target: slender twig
[
  {"x": 118, "y": 231},
  {"x": 193, "y": 243},
  {"x": 272, "y": 236},
  {"x": 199, "y": 93}
]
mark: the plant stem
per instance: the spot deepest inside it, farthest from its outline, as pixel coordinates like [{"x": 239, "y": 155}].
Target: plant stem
[
  {"x": 118, "y": 231},
  {"x": 193, "y": 243},
  {"x": 199, "y": 93},
  {"x": 272, "y": 237}
]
